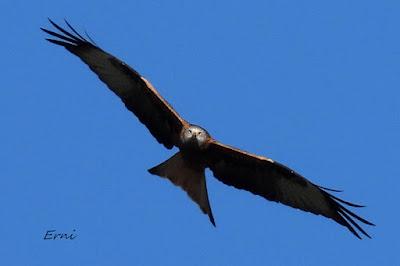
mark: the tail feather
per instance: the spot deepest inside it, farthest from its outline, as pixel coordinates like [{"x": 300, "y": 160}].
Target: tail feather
[{"x": 189, "y": 176}]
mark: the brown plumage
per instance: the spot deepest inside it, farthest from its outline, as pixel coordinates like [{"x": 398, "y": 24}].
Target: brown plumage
[{"x": 198, "y": 150}]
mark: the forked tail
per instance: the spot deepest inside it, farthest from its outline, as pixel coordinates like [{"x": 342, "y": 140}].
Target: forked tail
[{"x": 188, "y": 175}]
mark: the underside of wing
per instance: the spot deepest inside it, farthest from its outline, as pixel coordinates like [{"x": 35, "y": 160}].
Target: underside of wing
[
  {"x": 274, "y": 181},
  {"x": 138, "y": 95}
]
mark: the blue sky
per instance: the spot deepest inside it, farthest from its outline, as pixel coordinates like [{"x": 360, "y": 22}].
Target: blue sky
[{"x": 312, "y": 85}]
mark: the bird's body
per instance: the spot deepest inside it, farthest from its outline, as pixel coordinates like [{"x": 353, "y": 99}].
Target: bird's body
[{"x": 198, "y": 150}]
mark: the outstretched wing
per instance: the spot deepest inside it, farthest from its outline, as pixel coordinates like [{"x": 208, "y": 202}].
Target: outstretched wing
[
  {"x": 138, "y": 95},
  {"x": 274, "y": 181}
]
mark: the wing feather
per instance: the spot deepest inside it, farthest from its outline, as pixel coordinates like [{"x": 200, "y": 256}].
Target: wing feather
[
  {"x": 138, "y": 95},
  {"x": 276, "y": 182}
]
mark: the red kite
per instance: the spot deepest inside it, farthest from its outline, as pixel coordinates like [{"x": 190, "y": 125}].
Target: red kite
[{"x": 198, "y": 150}]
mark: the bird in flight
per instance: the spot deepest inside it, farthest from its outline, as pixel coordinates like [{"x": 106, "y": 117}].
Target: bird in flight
[{"x": 198, "y": 150}]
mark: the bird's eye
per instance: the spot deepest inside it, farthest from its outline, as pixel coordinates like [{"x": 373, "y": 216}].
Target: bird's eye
[{"x": 188, "y": 133}]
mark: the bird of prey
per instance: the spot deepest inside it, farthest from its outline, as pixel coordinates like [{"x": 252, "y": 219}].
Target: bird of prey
[{"x": 198, "y": 150}]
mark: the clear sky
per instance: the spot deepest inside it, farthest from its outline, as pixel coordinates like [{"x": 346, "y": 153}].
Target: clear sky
[{"x": 312, "y": 85}]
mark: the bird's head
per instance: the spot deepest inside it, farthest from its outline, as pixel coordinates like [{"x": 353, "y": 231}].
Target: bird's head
[{"x": 195, "y": 137}]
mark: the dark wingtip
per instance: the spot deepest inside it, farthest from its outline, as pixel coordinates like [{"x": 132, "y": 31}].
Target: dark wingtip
[
  {"x": 76, "y": 32},
  {"x": 87, "y": 34},
  {"x": 212, "y": 220},
  {"x": 60, "y": 36},
  {"x": 348, "y": 218},
  {"x": 56, "y": 42},
  {"x": 152, "y": 170},
  {"x": 52, "y": 22},
  {"x": 345, "y": 216},
  {"x": 347, "y": 202},
  {"x": 330, "y": 189}
]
